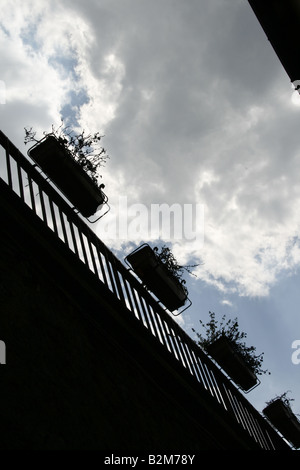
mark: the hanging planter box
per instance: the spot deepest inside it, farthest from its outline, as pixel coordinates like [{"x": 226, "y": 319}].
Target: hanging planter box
[
  {"x": 157, "y": 278},
  {"x": 68, "y": 175},
  {"x": 282, "y": 417},
  {"x": 232, "y": 363}
]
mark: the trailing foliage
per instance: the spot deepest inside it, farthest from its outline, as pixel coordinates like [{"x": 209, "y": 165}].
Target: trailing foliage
[
  {"x": 166, "y": 257},
  {"x": 230, "y": 329},
  {"x": 283, "y": 397},
  {"x": 85, "y": 148}
]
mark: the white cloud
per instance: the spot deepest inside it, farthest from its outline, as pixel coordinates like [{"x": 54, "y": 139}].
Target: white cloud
[
  {"x": 227, "y": 303},
  {"x": 103, "y": 91},
  {"x": 194, "y": 107}
]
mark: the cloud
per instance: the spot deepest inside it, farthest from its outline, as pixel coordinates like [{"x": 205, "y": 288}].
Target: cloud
[
  {"x": 195, "y": 108},
  {"x": 226, "y": 302}
]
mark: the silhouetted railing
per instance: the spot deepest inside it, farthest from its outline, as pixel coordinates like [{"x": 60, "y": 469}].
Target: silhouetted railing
[{"x": 34, "y": 190}]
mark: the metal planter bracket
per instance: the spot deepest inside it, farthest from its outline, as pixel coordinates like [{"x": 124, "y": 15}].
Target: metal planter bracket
[
  {"x": 181, "y": 311},
  {"x": 100, "y": 216}
]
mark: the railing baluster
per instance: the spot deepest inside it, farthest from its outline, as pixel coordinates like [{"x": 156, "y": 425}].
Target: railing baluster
[
  {"x": 129, "y": 295},
  {"x": 83, "y": 249},
  {"x": 197, "y": 368},
  {"x": 209, "y": 381},
  {"x": 74, "y": 241},
  {"x": 8, "y": 166},
  {"x": 20, "y": 181},
  {"x": 53, "y": 217},
  {"x": 202, "y": 372},
  {"x": 189, "y": 358},
  {"x": 108, "y": 268},
  {"x": 91, "y": 251},
  {"x": 167, "y": 336},
  {"x": 156, "y": 327},
  {"x": 183, "y": 352},
  {"x": 137, "y": 307},
  {"x": 43, "y": 205},
  {"x": 117, "y": 279},
  {"x": 63, "y": 226},
  {"x": 32, "y": 198},
  {"x": 270, "y": 443},
  {"x": 263, "y": 439},
  {"x": 251, "y": 425},
  {"x": 176, "y": 344},
  {"x": 99, "y": 257},
  {"x": 145, "y": 314}
]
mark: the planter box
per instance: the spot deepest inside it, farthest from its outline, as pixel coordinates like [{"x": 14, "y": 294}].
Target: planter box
[
  {"x": 232, "y": 363},
  {"x": 67, "y": 175},
  {"x": 282, "y": 417},
  {"x": 157, "y": 278}
]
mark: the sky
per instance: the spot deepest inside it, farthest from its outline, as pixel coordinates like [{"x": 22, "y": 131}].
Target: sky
[{"x": 196, "y": 110}]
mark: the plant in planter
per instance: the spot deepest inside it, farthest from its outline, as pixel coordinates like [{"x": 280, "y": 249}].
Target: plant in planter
[
  {"x": 280, "y": 414},
  {"x": 71, "y": 161},
  {"x": 224, "y": 342},
  {"x": 166, "y": 257},
  {"x": 161, "y": 273}
]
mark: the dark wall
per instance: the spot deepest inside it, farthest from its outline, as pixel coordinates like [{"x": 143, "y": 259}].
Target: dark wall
[{"x": 81, "y": 372}]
